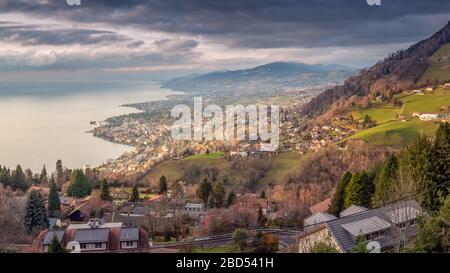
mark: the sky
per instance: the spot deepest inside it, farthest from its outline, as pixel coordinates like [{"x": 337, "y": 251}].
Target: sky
[{"x": 50, "y": 39}]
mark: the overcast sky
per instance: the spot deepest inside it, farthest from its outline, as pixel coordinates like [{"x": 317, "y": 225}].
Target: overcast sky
[{"x": 50, "y": 37}]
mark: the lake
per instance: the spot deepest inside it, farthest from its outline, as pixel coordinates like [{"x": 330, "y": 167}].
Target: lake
[{"x": 44, "y": 121}]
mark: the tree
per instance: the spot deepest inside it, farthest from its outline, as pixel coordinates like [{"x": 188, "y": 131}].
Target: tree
[
  {"x": 210, "y": 203},
  {"x": 361, "y": 245},
  {"x": 323, "y": 247},
  {"x": 56, "y": 246},
  {"x": 218, "y": 193},
  {"x": 359, "y": 190},
  {"x": 43, "y": 179},
  {"x": 18, "y": 179},
  {"x": 162, "y": 185},
  {"x": 231, "y": 198},
  {"x": 368, "y": 122},
  {"x": 434, "y": 231},
  {"x": 203, "y": 190},
  {"x": 240, "y": 238},
  {"x": 271, "y": 243},
  {"x": 134, "y": 194},
  {"x": 388, "y": 175},
  {"x": 337, "y": 203},
  {"x": 79, "y": 185},
  {"x": 60, "y": 176},
  {"x": 54, "y": 204},
  {"x": 35, "y": 216},
  {"x": 104, "y": 190},
  {"x": 263, "y": 194},
  {"x": 262, "y": 219}
]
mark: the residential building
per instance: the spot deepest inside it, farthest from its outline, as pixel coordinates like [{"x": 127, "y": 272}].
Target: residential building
[
  {"x": 427, "y": 117},
  {"x": 97, "y": 236},
  {"x": 194, "y": 207},
  {"x": 389, "y": 226},
  {"x": 321, "y": 206}
]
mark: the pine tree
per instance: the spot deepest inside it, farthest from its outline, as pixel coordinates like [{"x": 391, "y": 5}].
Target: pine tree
[
  {"x": 203, "y": 190},
  {"x": 262, "y": 219},
  {"x": 104, "y": 190},
  {"x": 43, "y": 177},
  {"x": 359, "y": 190},
  {"x": 388, "y": 176},
  {"x": 60, "y": 177},
  {"x": 337, "y": 203},
  {"x": 35, "y": 216},
  {"x": 263, "y": 194},
  {"x": 162, "y": 185},
  {"x": 361, "y": 245},
  {"x": 210, "y": 203},
  {"x": 218, "y": 193},
  {"x": 54, "y": 204},
  {"x": 231, "y": 198},
  {"x": 79, "y": 185},
  {"x": 134, "y": 194},
  {"x": 56, "y": 246}
]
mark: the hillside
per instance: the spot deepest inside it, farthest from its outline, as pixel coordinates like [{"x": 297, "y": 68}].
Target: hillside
[
  {"x": 278, "y": 168},
  {"x": 272, "y": 76},
  {"x": 397, "y": 127},
  {"x": 400, "y": 71}
]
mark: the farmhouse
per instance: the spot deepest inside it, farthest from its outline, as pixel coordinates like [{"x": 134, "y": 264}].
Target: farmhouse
[
  {"x": 97, "y": 236},
  {"x": 389, "y": 226},
  {"x": 427, "y": 117}
]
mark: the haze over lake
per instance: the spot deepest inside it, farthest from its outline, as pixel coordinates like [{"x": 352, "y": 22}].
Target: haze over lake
[{"x": 47, "y": 120}]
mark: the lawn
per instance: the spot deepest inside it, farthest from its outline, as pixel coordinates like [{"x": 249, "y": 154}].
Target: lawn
[
  {"x": 380, "y": 114},
  {"x": 215, "y": 155},
  {"x": 429, "y": 102},
  {"x": 216, "y": 249},
  {"x": 396, "y": 133}
]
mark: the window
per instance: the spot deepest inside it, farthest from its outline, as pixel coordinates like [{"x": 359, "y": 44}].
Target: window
[
  {"x": 129, "y": 244},
  {"x": 83, "y": 246},
  {"x": 98, "y": 245}
]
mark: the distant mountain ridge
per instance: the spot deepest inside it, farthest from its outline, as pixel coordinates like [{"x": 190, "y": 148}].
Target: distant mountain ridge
[
  {"x": 399, "y": 72},
  {"x": 268, "y": 76}
]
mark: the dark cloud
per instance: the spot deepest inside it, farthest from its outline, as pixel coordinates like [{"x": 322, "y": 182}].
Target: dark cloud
[
  {"x": 32, "y": 35},
  {"x": 261, "y": 23}
]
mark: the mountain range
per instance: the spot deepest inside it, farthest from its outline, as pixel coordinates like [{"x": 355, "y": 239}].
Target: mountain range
[
  {"x": 277, "y": 75},
  {"x": 414, "y": 67}
]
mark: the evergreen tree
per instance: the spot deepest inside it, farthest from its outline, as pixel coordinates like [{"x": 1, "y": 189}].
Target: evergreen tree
[
  {"x": 203, "y": 190},
  {"x": 54, "y": 204},
  {"x": 218, "y": 193},
  {"x": 263, "y": 194},
  {"x": 56, "y": 246},
  {"x": 231, "y": 198},
  {"x": 262, "y": 219},
  {"x": 35, "y": 216},
  {"x": 79, "y": 185},
  {"x": 210, "y": 203},
  {"x": 104, "y": 190},
  {"x": 337, "y": 203},
  {"x": 359, "y": 190},
  {"x": 43, "y": 177},
  {"x": 434, "y": 231},
  {"x": 60, "y": 176},
  {"x": 361, "y": 245},
  {"x": 420, "y": 157},
  {"x": 162, "y": 185},
  {"x": 135, "y": 194},
  {"x": 388, "y": 176},
  {"x": 18, "y": 179}
]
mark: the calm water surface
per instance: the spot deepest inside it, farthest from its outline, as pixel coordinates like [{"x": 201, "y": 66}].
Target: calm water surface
[{"x": 42, "y": 122}]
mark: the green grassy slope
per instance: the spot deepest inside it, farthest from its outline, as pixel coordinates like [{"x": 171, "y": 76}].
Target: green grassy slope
[
  {"x": 439, "y": 66},
  {"x": 397, "y": 133},
  {"x": 282, "y": 165}
]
